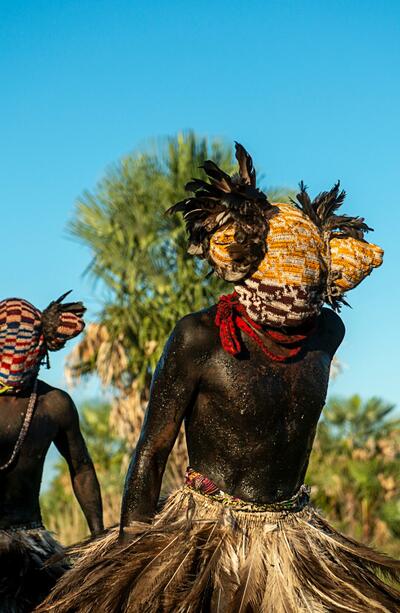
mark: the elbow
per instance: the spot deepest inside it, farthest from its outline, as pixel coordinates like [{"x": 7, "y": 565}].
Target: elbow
[
  {"x": 148, "y": 460},
  {"x": 85, "y": 467},
  {"x": 153, "y": 460}
]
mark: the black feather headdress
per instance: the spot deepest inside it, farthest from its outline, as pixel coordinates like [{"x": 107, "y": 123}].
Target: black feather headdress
[
  {"x": 62, "y": 322},
  {"x": 228, "y": 199},
  {"x": 322, "y": 210}
]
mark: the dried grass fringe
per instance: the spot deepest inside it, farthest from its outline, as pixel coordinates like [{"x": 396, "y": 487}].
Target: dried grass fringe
[
  {"x": 25, "y": 580},
  {"x": 199, "y": 556}
]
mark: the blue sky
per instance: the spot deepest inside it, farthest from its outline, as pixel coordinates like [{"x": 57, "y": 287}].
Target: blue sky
[{"x": 310, "y": 88}]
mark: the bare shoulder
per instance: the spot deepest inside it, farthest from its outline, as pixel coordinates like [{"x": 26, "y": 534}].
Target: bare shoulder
[
  {"x": 332, "y": 328},
  {"x": 197, "y": 330},
  {"x": 332, "y": 322},
  {"x": 58, "y": 403}
]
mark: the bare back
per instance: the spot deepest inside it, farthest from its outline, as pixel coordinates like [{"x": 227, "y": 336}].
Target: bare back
[{"x": 55, "y": 420}]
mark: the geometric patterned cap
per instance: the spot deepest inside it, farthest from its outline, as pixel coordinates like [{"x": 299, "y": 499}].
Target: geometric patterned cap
[
  {"x": 22, "y": 344},
  {"x": 300, "y": 270},
  {"x": 285, "y": 290},
  {"x": 26, "y": 334}
]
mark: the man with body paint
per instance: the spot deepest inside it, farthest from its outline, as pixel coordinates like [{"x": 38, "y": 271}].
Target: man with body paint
[
  {"x": 34, "y": 414},
  {"x": 248, "y": 377}
]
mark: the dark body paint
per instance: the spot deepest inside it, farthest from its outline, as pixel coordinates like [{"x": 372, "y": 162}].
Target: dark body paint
[
  {"x": 250, "y": 422},
  {"x": 55, "y": 420}
]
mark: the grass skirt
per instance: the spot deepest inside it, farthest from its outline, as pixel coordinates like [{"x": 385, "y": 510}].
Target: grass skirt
[
  {"x": 24, "y": 579},
  {"x": 199, "y": 555}
]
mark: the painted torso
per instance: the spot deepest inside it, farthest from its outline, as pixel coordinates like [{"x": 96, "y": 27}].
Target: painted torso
[
  {"x": 250, "y": 422},
  {"x": 253, "y": 421}
]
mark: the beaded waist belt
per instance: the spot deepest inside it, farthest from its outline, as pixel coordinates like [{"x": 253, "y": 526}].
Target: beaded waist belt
[{"x": 199, "y": 483}]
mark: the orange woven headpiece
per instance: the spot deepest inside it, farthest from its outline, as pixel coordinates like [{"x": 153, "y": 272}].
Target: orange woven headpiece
[{"x": 286, "y": 260}]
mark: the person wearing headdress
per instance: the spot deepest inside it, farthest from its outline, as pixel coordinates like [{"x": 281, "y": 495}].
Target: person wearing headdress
[
  {"x": 34, "y": 414},
  {"x": 249, "y": 378}
]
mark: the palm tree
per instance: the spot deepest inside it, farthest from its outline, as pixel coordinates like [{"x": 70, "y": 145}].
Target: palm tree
[
  {"x": 354, "y": 468},
  {"x": 147, "y": 279}
]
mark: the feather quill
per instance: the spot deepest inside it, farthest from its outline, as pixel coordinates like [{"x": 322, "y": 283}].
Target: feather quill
[{"x": 227, "y": 199}]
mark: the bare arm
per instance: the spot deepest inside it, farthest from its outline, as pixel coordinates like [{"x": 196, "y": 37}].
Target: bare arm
[
  {"x": 173, "y": 391},
  {"x": 71, "y": 445}
]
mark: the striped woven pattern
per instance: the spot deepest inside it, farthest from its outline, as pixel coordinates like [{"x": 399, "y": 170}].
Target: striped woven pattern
[
  {"x": 26, "y": 334},
  {"x": 285, "y": 260},
  {"x": 70, "y": 325},
  {"x": 352, "y": 261},
  {"x": 286, "y": 289},
  {"x": 296, "y": 250},
  {"x": 279, "y": 305},
  {"x": 22, "y": 343},
  {"x": 299, "y": 270}
]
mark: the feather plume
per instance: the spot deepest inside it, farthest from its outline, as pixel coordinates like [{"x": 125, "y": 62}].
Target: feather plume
[
  {"x": 227, "y": 199},
  {"x": 322, "y": 211},
  {"x": 200, "y": 555},
  {"x": 28, "y": 568},
  {"x": 246, "y": 168},
  {"x": 62, "y": 321},
  {"x": 252, "y": 578}
]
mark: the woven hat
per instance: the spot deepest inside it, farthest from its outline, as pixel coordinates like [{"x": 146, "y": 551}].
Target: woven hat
[
  {"x": 26, "y": 334},
  {"x": 286, "y": 260}
]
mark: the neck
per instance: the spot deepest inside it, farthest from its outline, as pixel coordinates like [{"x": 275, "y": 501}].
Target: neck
[
  {"x": 276, "y": 344},
  {"x": 25, "y": 389}
]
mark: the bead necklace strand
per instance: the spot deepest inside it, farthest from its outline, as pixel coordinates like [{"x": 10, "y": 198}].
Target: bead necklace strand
[{"x": 25, "y": 427}]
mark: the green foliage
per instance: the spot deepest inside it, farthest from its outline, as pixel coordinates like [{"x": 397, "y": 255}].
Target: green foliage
[
  {"x": 354, "y": 469},
  {"x": 139, "y": 253},
  {"x": 61, "y": 512},
  {"x": 107, "y": 451}
]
